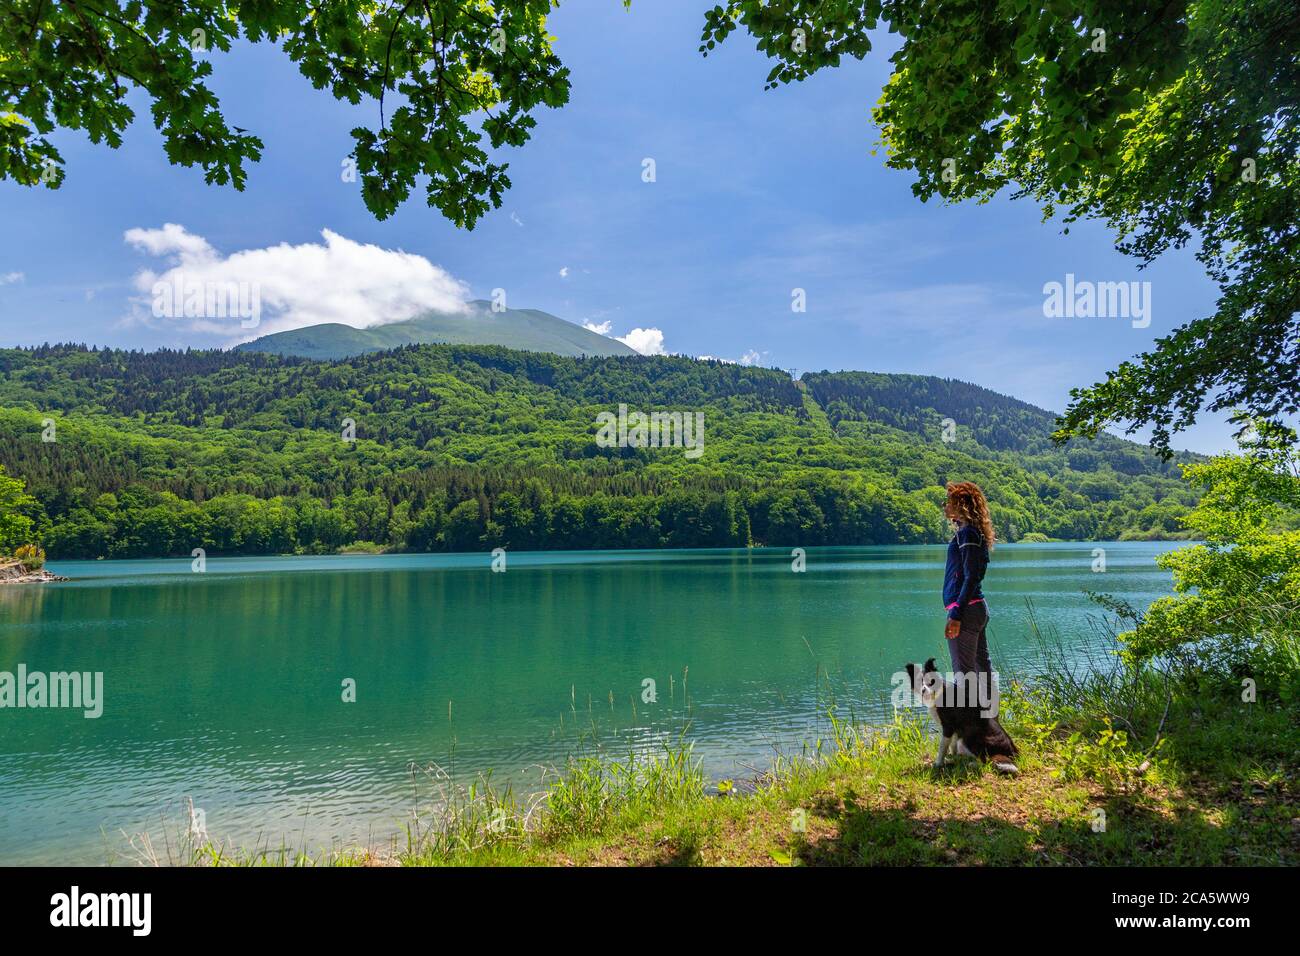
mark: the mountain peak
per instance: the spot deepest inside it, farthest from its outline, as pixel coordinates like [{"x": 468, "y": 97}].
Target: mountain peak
[{"x": 529, "y": 330}]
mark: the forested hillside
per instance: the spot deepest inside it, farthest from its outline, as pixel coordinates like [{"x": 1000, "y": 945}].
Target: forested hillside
[
  {"x": 134, "y": 454},
  {"x": 910, "y": 403}
]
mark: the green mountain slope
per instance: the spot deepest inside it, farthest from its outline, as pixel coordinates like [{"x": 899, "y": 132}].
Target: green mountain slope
[
  {"x": 919, "y": 404},
  {"x": 468, "y": 448},
  {"x": 525, "y": 329}
]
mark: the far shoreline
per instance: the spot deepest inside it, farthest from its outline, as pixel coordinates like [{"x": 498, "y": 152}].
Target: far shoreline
[{"x": 347, "y": 552}]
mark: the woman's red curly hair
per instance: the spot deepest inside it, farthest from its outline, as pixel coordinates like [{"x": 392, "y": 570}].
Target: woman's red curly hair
[{"x": 969, "y": 506}]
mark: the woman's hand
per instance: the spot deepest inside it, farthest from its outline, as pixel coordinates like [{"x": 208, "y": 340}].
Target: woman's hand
[{"x": 951, "y": 629}]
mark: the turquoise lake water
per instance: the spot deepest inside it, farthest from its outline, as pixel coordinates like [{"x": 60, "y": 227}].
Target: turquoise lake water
[{"x": 227, "y": 686}]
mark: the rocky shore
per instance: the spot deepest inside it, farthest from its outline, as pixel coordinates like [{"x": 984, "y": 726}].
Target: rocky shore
[{"x": 16, "y": 573}]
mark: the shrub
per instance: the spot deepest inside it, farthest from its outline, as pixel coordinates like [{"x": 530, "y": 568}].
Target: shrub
[
  {"x": 1236, "y": 603},
  {"x": 31, "y": 557}
]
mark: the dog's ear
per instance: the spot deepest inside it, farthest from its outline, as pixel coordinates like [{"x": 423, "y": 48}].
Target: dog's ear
[
  {"x": 911, "y": 674},
  {"x": 929, "y": 665}
]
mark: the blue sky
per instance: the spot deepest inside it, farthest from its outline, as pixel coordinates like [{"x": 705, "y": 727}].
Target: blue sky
[{"x": 756, "y": 194}]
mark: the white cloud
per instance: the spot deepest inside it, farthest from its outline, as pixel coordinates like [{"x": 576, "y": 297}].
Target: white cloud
[
  {"x": 171, "y": 239},
  {"x": 751, "y": 357},
  {"x": 514, "y": 217},
  {"x": 339, "y": 280},
  {"x": 10, "y": 278},
  {"x": 645, "y": 341},
  {"x": 564, "y": 272}
]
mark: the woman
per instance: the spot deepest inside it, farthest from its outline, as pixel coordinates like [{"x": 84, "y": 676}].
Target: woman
[{"x": 968, "y": 558}]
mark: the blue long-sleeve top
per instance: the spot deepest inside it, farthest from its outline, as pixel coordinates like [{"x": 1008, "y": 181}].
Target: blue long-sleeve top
[{"x": 968, "y": 559}]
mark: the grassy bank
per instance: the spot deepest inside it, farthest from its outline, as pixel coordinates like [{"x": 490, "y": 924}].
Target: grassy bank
[
  {"x": 1118, "y": 767},
  {"x": 1202, "y": 797}
]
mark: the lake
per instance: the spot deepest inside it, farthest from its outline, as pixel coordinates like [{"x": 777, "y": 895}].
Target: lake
[{"x": 227, "y": 686}]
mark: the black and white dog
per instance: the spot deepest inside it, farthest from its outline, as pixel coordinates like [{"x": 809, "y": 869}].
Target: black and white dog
[{"x": 966, "y": 726}]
